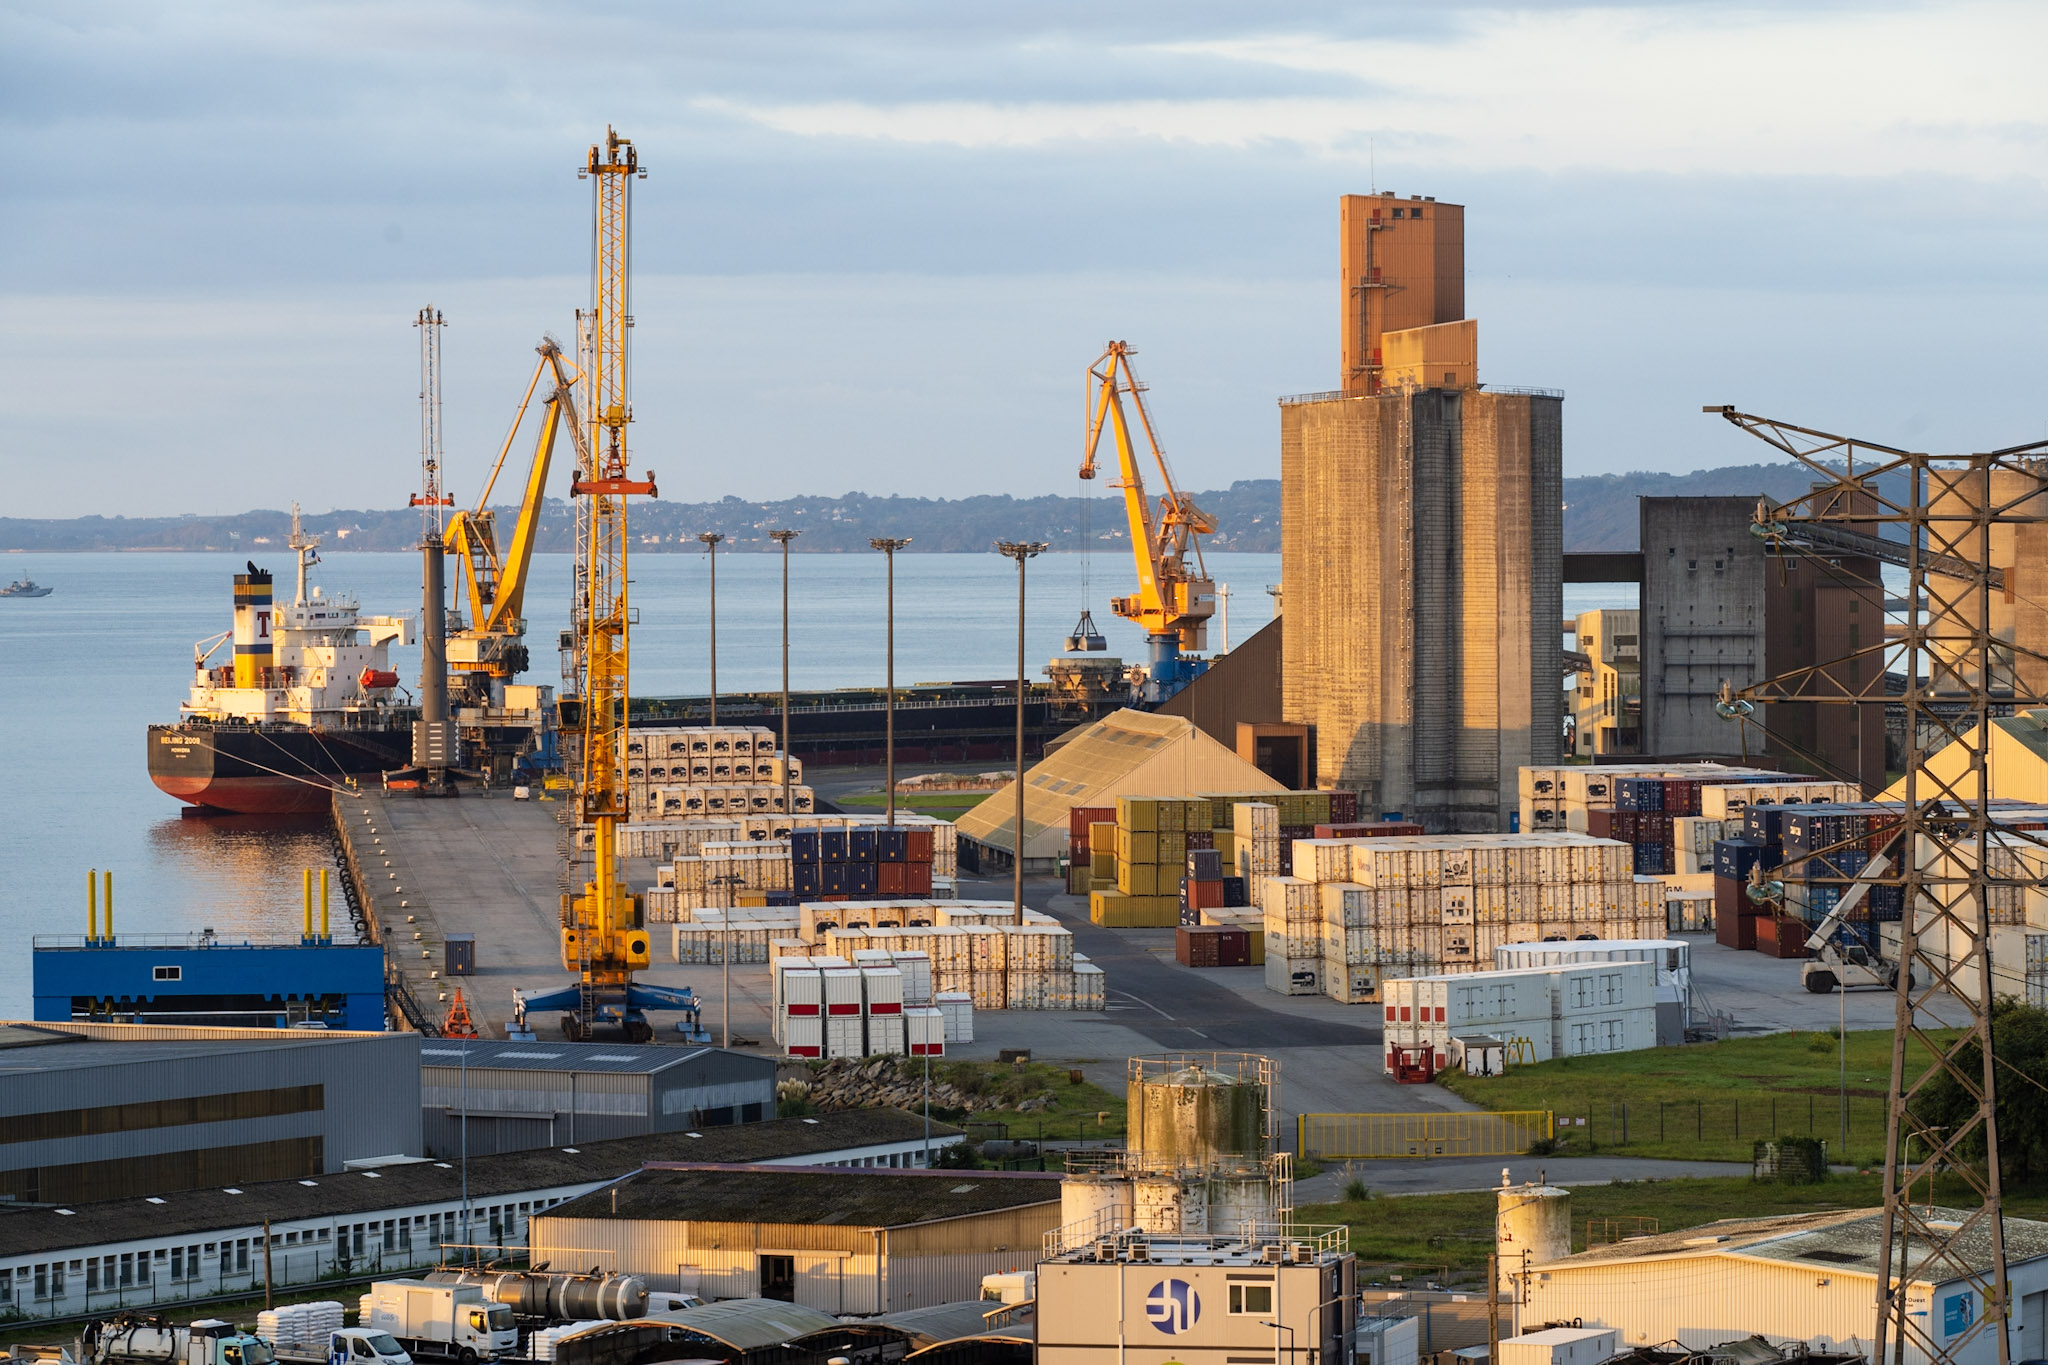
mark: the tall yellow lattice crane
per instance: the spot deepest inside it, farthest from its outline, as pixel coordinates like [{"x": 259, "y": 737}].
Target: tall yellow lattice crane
[
  {"x": 603, "y": 938},
  {"x": 491, "y": 589},
  {"x": 1175, "y": 595}
]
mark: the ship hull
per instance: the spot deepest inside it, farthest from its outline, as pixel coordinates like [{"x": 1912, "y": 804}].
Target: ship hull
[{"x": 272, "y": 770}]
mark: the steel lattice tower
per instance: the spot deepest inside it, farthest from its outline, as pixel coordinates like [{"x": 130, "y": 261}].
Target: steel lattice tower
[{"x": 1941, "y": 518}]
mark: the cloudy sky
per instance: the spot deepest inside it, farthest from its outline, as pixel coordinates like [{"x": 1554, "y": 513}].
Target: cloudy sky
[{"x": 880, "y": 242}]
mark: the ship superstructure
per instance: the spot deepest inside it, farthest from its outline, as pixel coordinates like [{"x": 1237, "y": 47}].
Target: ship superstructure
[{"x": 308, "y": 699}]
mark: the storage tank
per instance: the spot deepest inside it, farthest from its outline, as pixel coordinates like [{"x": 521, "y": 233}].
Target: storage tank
[
  {"x": 1239, "y": 1197},
  {"x": 1087, "y": 1195},
  {"x": 1191, "y": 1111},
  {"x": 1532, "y": 1225},
  {"x": 561, "y": 1296},
  {"x": 1163, "y": 1203}
]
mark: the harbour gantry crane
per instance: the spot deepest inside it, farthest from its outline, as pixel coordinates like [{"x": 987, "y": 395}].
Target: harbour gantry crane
[
  {"x": 604, "y": 939},
  {"x": 1175, "y": 595},
  {"x": 489, "y": 647}
]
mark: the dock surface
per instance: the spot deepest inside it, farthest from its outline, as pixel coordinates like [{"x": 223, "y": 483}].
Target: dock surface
[{"x": 482, "y": 863}]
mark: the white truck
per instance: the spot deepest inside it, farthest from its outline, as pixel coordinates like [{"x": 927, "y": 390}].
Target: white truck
[
  {"x": 351, "y": 1346},
  {"x": 439, "y": 1321},
  {"x": 145, "y": 1339}
]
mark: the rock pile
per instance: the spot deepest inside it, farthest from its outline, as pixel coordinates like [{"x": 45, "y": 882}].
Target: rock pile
[{"x": 880, "y": 1082}]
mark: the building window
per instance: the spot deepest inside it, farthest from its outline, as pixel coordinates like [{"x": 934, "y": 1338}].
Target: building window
[
  {"x": 43, "y": 1281},
  {"x": 1251, "y": 1298},
  {"x": 6, "y": 1286},
  {"x": 177, "y": 1263},
  {"x": 242, "y": 1255}
]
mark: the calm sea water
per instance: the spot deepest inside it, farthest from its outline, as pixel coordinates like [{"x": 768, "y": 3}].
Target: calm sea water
[{"x": 84, "y": 670}]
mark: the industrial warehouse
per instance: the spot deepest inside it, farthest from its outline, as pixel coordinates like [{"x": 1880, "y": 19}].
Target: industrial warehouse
[{"x": 1476, "y": 882}]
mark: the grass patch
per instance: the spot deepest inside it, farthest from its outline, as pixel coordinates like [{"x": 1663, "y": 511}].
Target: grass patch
[
  {"x": 1450, "y": 1235},
  {"x": 1058, "y": 1109},
  {"x": 1706, "y": 1101}
]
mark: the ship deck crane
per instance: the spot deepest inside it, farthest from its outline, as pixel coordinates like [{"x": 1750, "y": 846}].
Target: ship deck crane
[
  {"x": 490, "y": 647},
  {"x": 1175, "y": 596},
  {"x": 604, "y": 938}
]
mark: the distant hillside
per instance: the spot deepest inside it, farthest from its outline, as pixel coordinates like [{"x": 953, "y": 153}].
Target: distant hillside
[{"x": 1599, "y": 514}]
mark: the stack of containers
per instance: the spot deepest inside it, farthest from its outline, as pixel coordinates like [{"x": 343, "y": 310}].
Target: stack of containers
[
  {"x": 799, "y": 1006},
  {"x": 782, "y": 860},
  {"x": 1084, "y": 872},
  {"x": 1540, "y": 1013},
  {"x": 685, "y": 772},
  {"x": 1151, "y": 843},
  {"x": 845, "y": 1034},
  {"x": 1564, "y": 796},
  {"x": 1212, "y": 945},
  {"x": 862, "y": 862},
  {"x": 1360, "y": 911},
  {"x": 1090, "y": 986},
  {"x": 1202, "y": 886},
  {"x": 957, "y": 1009},
  {"x": 882, "y": 998},
  {"x": 1254, "y": 845}
]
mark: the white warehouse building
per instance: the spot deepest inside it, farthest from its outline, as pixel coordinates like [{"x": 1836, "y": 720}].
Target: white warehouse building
[{"x": 1808, "y": 1278}]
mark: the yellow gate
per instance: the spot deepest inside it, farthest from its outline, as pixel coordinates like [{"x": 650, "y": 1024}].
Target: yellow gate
[{"x": 1350, "y": 1136}]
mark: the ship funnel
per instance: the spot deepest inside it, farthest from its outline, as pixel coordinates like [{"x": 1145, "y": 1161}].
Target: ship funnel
[{"x": 252, "y": 627}]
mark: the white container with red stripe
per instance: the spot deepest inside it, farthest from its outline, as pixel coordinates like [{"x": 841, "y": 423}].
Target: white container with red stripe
[
  {"x": 925, "y": 1030},
  {"x": 799, "y": 994},
  {"x": 843, "y": 996},
  {"x": 804, "y": 1036},
  {"x": 882, "y": 989}
]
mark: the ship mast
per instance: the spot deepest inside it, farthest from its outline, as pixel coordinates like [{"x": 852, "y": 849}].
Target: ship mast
[{"x": 307, "y": 549}]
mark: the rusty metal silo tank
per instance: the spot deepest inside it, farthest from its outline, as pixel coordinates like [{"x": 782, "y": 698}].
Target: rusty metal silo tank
[{"x": 1197, "y": 1110}]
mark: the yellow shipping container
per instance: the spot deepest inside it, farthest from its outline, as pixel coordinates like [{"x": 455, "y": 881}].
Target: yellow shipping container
[
  {"x": 1137, "y": 813},
  {"x": 1102, "y": 904},
  {"x": 1102, "y": 866},
  {"x": 1137, "y": 846},
  {"x": 1173, "y": 848},
  {"x": 1137, "y": 879},
  {"x": 1102, "y": 836}
]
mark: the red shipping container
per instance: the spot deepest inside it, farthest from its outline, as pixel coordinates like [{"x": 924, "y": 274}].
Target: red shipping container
[
  {"x": 1343, "y": 807},
  {"x": 918, "y": 841},
  {"x": 1202, "y": 895},
  {"x": 1622, "y": 824},
  {"x": 1198, "y": 945},
  {"x": 892, "y": 879},
  {"x": 1781, "y": 936},
  {"x": 1201, "y": 838},
  {"x": 1234, "y": 948},
  {"x": 1600, "y": 823},
  {"x": 917, "y": 878},
  {"x": 1080, "y": 817}
]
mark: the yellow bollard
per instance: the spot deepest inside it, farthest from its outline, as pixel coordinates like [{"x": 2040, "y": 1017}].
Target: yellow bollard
[
  {"x": 108, "y": 896},
  {"x": 323, "y": 905},
  {"x": 92, "y": 906},
  {"x": 306, "y": 903}
]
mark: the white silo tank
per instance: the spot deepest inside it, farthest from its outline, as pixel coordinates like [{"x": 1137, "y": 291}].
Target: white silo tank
[
  {"x": 1163, "y": 1204},
  {"x": 1088, "y": 1195},
  {"x": 1239, "y": 1197},
  {"x": 1532, "y": 1225}
]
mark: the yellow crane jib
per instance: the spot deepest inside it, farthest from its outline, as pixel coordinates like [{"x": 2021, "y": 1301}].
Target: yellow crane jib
[
  {"x": 491, "y": 586},
  {"x": 1175, "y": 596}
]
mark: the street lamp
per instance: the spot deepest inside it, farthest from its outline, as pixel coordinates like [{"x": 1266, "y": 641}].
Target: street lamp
[
  {"x": 711, "y": 539},
  {"x": 783, "y": 538},
  {"x": 1020, "y": 550},
  {"x": 728, "y": 880},
  {"x": 889, "y": 545}
]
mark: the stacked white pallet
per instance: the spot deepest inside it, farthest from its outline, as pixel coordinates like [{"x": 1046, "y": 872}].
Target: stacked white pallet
[
  {"x": 1539, "y": 1012},
  {"x": 1255, "y": 826},
  {"x": 957, "y": 1009},
  {"x": 305, "y": 1326},
  {"x": 541, "y": 1345},
  {"x": 1358, "y": 912}
]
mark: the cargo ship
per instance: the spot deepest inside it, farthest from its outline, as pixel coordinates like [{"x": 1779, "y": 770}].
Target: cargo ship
[{"x": 309, "y": 702}]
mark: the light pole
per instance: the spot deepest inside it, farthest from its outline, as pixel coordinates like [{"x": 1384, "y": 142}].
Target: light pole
[
  {"x": 889, "y": 545},
  {"x": 783, "y": 538},
  {"x": 711, "y": 539},
  {"x": 1020, "y": 550},
  {"x": 728, "y": 880}
]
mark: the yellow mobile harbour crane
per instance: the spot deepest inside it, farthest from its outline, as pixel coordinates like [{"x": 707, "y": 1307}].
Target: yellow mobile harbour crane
[
  {"x": 604, "y": 939},
  {"x": 1175, "y": 598}
]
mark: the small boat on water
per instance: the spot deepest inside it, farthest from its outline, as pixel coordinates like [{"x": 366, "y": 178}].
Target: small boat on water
[{"x": 24, "y": 587}]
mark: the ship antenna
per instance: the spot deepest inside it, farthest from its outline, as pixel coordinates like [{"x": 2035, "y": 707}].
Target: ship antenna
[{"x": 306, "y": 548}]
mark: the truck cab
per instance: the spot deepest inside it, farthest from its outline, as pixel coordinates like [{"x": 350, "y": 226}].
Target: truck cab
[
  {"x": 361, "y": 1346},
  {"x": 488, "y": 1329}
]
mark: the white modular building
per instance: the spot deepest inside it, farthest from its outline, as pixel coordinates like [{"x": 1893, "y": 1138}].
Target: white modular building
[{"x": 1799, "y": 1278}]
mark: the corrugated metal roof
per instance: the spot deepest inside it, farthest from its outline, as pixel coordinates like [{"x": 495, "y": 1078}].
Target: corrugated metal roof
[
  {"x": 809, "y": 1195},
  {"x": 1839, "y": 1239},
  {"x": 1100, "y": 764},
  {"x": 743, "y": 1324},
  {"x": 28, "y": 1229},
  {"x": 486, "y": 1054},
  {"x": 944, "y": 1322},
  {"x": 26, "y": 1048}
]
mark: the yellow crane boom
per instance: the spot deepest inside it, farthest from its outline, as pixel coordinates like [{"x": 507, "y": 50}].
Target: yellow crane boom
[
  {"x": 490, "y": 586},
  {"x": 1175, "y": 595}
]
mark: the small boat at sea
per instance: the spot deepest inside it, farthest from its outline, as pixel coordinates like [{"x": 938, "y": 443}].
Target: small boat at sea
[{"x": 24, "y": 587}]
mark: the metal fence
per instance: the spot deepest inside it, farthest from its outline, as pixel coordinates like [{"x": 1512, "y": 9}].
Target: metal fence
[
  {"x": 1348, "y": 1136},
  {"x": 1726, "y": 1128}
]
